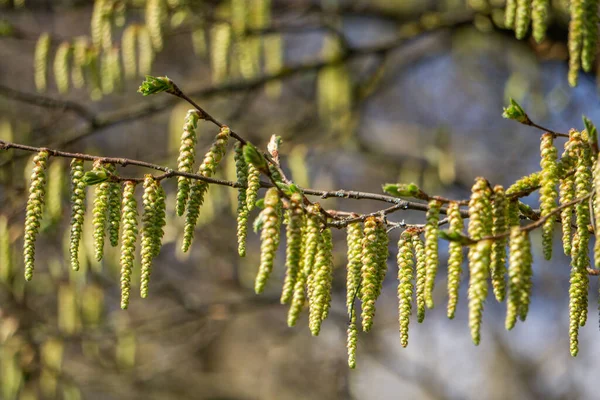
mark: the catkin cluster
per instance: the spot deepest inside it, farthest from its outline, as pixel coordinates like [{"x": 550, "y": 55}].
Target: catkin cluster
[
  {"x": 129, "y": 219},
  {"x": 153, "y": 221}
]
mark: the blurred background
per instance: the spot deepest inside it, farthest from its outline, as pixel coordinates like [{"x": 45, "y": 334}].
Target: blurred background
[{"x": 363, "y": 93}]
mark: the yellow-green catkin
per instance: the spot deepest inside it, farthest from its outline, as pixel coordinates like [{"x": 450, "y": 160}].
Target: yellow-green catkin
[
  {"x": 311, "y": 240},
  {"x": 479, "y": 264},
  {"x": 100, "y": 17},
  {"x": 153, "y": 220},
  {"x": 155, "y": 13},
  {"x": 522, "y": 18},
  {"x": 33, "y": 215},
  {"x": 539, "y": 18},
  {"x": 431, "y": 249},
  {"x": 354, "y": 237},
  {"x": 6, "y": 268},
  {"x": 525, "y": 185},
  {"x": 145, "y": 51},
  {"x": 583, "y": 187},
  {"x": 455, "y": 258},
  {"x": 199, "y": 188},
  {"x": 61, "y": 67},
  {"x": 527, "y": 277},
  {"x": 548, "y": 190},
  {"x": 128, "y": 51},
  {"x": 220, "y": 43},
  {"x": 405, "y": 284},
  {"x": 479, "y": 254},
  {"x": 129, "y": 218},
  {"x": 420, "y": 272},
  {"x": 294, "y": 244},
  {"x": 578, "y": 289},
  {"x": 55, "y": 191},
  {"x": 567, "y": 192},
  {"x": 370, "y": 274},
  {"x": 597, "y": 212},
  {"x": 518, "y": 275},
  {"x": 590, "y": 35},
  {"x": 114, "y": 212},
  {"x": 100, "y": 211},
  {"x": 269, "y": 238},
  {"x": 40, "y": 62},
  {"x": 382, "y": 252},
  {"x": 80, "y": 46},
  {"x": 78, "y": 204},
  {"x": 510, "y": 13},
  {"x": 498, "y": 256},
  {"x": 351, "y": 341},
  {"x": 322, "y": 281},
  {"x": 576, "y": 37},
  {"x": 186, "y": 159},
  {"x": 253, "y": 186},
  {"x": 241, "y": 171}
]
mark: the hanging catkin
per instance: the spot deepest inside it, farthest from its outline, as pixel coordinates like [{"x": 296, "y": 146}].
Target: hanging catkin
[
  {"x": 128, "y": 50},
  {"x": 78, "y": 202},
  {"x": 510, "y": 13},
  {"x": 518, "y": 276},
  {"x": 40, "y": 62},
  {"x": 431, "y": 249},
  {"x": 522, "y": 18},
  {"x": 539, "y": 18},
  {"x": 35, "y": 206},
  {"x": 354, "y": 238},
  {"x": 590, "y": 35},
  {"x": 61, "y": 67},
  {"x": 420, "y": 267},
  {"x": 567, "y": 192},
  {"x": 129, "y": 217},
  {"x": 293, "y": 249},
  {"x": 186, "y": 159},
  {"x": 576, "y": 29},
  {"x": 455, "y": 258},
  {"x": 241, "y": 171},
  {"x": 548, "y": 190},
  {"x": 269, "y": 238},
  {"x": 498, "y": 255},
  {"x": 322, "y": 280},
  {"x": 405, "y": 284},
  {"x": 370, "y": 271},
  {"x": 101, "y": 202}
]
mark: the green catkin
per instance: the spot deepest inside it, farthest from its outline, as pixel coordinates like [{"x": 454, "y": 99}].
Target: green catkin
[
  {"x": 517, "y": 274},
  {"x": 80, "y": 45},
  {"x": 577, "y": 296},
  {"x": 420, "y": 267},
  {"x": 145, "y": 51},
  {"x": 114, "y": 213},
  {"x": 479, "y": 262},
  {"x": 455, "y": 258},
  {"x": 479, "y": 254},
  {"x": 597, "y": 212},
  {"x": 61, "y": 67},
  {"x": 241, "y": 170},
  {"x": 55, "y": 191},
  {"x": 513, "y": 217},
  {"x": 525, "y": 184},
  {"x": 548, "y": 190},
  {"x": 370, "y": 272},
  {"x": 78, "y": 203},
  {"x": 311, "y": 238},
  {"x": 155, "y": 13},
  {"x": 583, "y": 187},
  {"x": 269, "y": 238},
  {"x": 405, "y": 284},
  {"x": 101, "y": 201},
  {"x": 293, "y": 249},
  {"x": 527, "y": 277},
  {"x": 354, "y": 237},
  {"x": 220, "y": 43},
  {"x": 130, "y": 231},
  {"x": 509, "y": 13},
  {"x": 590, "y": 35},
  {"x": 576, "y": 38},
  {"x": 351, "y": 341},
  {"x": 567, "y": 193},
  {"x": 431, "y": 249},
  {"x": 199, "y": 188},
  {"x": 539, "y": 18},
  {"x": 6, "y": 268},
  {"x": 498, "y": 256},
  {"x": 522, "y": 18},
  {"x": 253, "y": 186},
  {"x": 40, "y": 62},
  {"x": 382, "y": 252},
  {"x": 128, "y": 50},
  {"x": 186, "y": 159},
  {"x": 35, "y": 205},
  {"x": 322, "y": 280},
  {"x": 153, "y": 221},
  {"x": 97, "y": 22}
]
